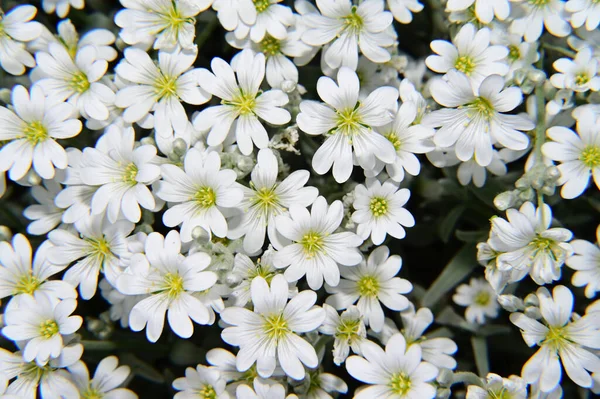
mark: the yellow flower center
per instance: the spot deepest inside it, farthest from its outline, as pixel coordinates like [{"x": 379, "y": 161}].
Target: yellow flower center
[
  {"x": 353, "y": 21},
  {"x": 173, "y": 284},
  {"x": 539, "y": 3},
  {"x": 261, "y": 5},
  {"x": 266, "y": 199},
  {"x": 79, "y": 83},
  {"x": 501, "y": 394},
  {"x": 312, "y": 243},
  {"x": 348, "y": 121},
  {"x": 513, "y": 53},
  {"x": 556, "y": 337},
  {"x": 35, "y": 132},
  {"x": 393, "y": 138},
  {"x": 263, "y": 271},
  {"x": 244, "y": 103},
  {"x": 400, "y": 383},
  {"x": 590, "y": 156},
  {"x": 165, "y": 87},
  {"x": 582, "y": 79},
  {"x": 91, "y": 393},
  {"x": 100, "y": 248},
  {"x": 275, "y": 326},
  {"x": 378, "y": 206},
  {"x": 130, "y": 174},
  {"x": 368, "y": 286},
  {"x": 482, "y": 298},
  {"x": 270, "y": 46},
  {"x": 347, "y": 330},
  {"x": 205, "y": 197},
  {"x": 48, "y": 329},
  {"x": 207, "y": 392},
  {"x": 27, "y": 284},
  {"x": 173, "y": 20},
  {"x": 483, "y": 108},
  {"x": 465, "y": 64}
]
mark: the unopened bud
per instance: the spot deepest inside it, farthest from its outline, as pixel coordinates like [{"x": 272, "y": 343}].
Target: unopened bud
[
  {"x": 443, "y": 393},
  {"x": 232, "y": 279},
  {"x": 200, "y": 234},
  {"x": 548, "y": 190},
  {"x": 523, "y": 182},
  {"x": 179, "y": 147},
  {"x": 538, "y": 183},
  {"x": 552, "y": 173},
  {"x": 519, "y": 76},
  {"x": 536, "y": 76},
  {"x": 527, "y": 195},
  {"x": 445, "y": 377},
  {"x": 288, "y": 86},
  {"x": 533, "y": 312},
  {"x": 5, "y": 233},
  {"x": 5, "y": 96},
  {"x": 504, "y": 200},
  {"x": 511, "y": 303},
  {"x": 148, "y": 141},
  {"x": 531, "y": 300}
]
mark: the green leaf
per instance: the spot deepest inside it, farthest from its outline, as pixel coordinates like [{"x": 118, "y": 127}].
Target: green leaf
[
  {"x": 480, "y": 351},
  {"x": 459, "y": 267},
  {"x": 472, "y": 236},
  {"x": 141, "y": 368},
  {"x": 449, "y": 222}
]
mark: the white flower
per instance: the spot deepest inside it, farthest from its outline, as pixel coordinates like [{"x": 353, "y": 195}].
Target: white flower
[
  {"x": 267, "y": 18},
  {"x": 347, "y": 329},
  {"x": 122, "y": 172},
  {"x": 485, "y": 10},
  {"x": 98, "y": 247},
  {"x": 246, "y": 270},
  {"x": 348, "y": 27},
  {"x": 438, "y": 350},
  {"x": 372, "y": 283},
  {"x": 62, "y": 7},
  {"x": 42, "y": 322},
  {"x": 559, "y": 338},
  {"x": 18, "y": 275},
  {"x": 578, "y": 74},
  {"x": 269, "y": 333},
  {"x": 166, "y": 23},
  {"x": 160, "y": 88},
  {"x": 529, "y": 245},
  {"x": 266, "y": 198},
  {"x": 396, "y": 373},
  {"x": 480, "y": 299},
  {"x": 584, "y": 12},
  {"x": 319, "y": 385},
  {"x": 45, "y": 215},
  {"x": 76, "y": 197},
  {"x": 579, "y": 154},
  {"x": 262, "y": 389},
  {"x": 201, "y": 382},
  {"x": 100, "y": 39},
  {"x": 472, "y": 171},
  {"x": 474, "y": 119},
  {"x": 241, "y": 103},
  {"x": 199, "y": 194},
  {"x": 316, "y": 250},
  {"x": 17, "y": 28},
  {"x": 536, "y": 15},
  {"x": 107, "y": 379},
  {"x": 521, "y": 55},
  {"x": 279, "y": 68},
  {"x": 402, "y": 9},
  {"x": 497, "y": 387},
  {"x": 470, "y": 54},
  {"x": 32, "y": 131},
  {"x": 52, "y": 379},
  {"x": 77, "y": 81},
  {"x": 379, "y": 210},
  {"x": 347, "y": 124},
  {"x": 170, "y": 279},
  {"x": 586, "y": 262},
  {"x": 409, "y": 138}
]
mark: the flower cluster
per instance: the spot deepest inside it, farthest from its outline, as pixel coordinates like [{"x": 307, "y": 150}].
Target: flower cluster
[{"x": 272, "y": 201}]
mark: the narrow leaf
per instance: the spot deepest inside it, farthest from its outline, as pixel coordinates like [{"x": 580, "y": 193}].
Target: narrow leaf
[{"x": 480, "y": 352}]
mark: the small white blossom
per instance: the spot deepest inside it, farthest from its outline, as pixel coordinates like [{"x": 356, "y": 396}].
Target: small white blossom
[
  {"x": 270, "y": 332},
  {"x": 586, "y": 261},
  {"x": 17, "y": 29},
  {"x": 497, "y": 387},
  {"x": 579, "y": 74},
  {"x": 201, "y": 382},
  {"x": 315, "y": 249},
  {"x": 479, "y": 298},
  {"x": 348, "y": 330},
  {"x": 370, "y": 284},
  {"x": 108, "y": 377}
]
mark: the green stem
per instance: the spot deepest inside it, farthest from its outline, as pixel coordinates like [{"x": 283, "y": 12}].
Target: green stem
[
  {"x": 467, "y": 378},
  {"x": 540, "y": 128},
  {"x": 560, "y": 50}
]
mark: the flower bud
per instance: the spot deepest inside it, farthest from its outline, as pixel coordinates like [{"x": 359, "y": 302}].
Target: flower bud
[
  {"x": 5, "y": 233},
  {"x": 179, "y": 147},
  {"x": 533, "y": 312},
  {"x": 532, "y": 300},
  {"x": 552, "y": 173},
  {"x": 511, "y": 303},
  {"x": 504, "y": 200},
  {"x": 445, "y": 377},
  {"x": 288, "y": 86},
  {"x": 536, "y": 76}
]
